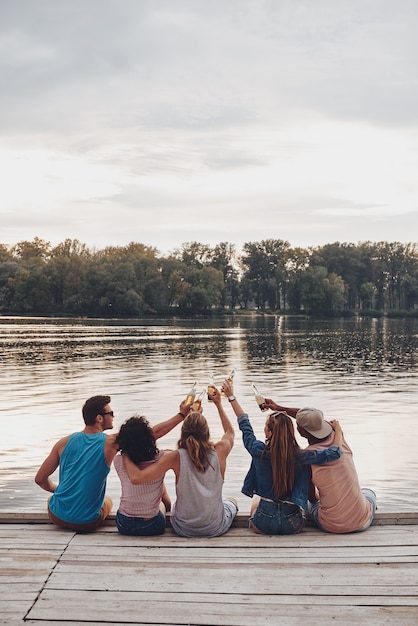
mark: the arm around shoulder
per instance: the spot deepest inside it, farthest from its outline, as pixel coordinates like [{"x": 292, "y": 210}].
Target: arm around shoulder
[
  {"x": 111, "y": 448},
  {"x": 170, "y": 460}
]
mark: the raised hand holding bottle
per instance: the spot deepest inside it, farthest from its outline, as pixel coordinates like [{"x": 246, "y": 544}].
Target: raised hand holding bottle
[
  {"x": 259, "y": 398},
  {"x": 197, "y": 404},
  {"x": 211, "y": 387},
  {"x": 230, "y": 378},
  {"x": 192, "y": 393}
]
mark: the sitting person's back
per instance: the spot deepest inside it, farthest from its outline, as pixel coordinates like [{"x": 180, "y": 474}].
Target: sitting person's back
[
  {"x": 142, "y": 507},
  {"x": 79, "y": 502},
  {"x": 83, "y": 471},
  {"x": 343, "y": 506},
  {"x": 199, "y": 510}
]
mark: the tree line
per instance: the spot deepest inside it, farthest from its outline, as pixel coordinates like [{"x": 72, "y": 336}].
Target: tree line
[{"x": 71, "y": 279}]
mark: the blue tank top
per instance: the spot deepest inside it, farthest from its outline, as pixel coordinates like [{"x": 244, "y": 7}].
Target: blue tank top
[{"x": 82, "y": 479}]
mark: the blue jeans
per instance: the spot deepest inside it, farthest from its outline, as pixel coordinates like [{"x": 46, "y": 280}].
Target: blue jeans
[
  {"x": 140, "y": 526},
  {"x": 278, "y": 518}
]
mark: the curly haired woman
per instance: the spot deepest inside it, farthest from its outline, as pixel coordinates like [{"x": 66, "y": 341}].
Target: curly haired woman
[{"x": 142, "y": 508}]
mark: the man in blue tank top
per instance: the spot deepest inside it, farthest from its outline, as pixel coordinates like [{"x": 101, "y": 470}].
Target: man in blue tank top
[{"x": 84, "y": 458}]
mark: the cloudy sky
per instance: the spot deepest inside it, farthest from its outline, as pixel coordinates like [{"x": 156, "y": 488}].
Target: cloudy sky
[{"x": 169, "y": 121}]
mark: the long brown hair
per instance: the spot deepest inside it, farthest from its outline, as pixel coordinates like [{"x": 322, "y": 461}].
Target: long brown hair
[
  {"x": 195, "y": 438},
  {"x": 283, "y": 449}
]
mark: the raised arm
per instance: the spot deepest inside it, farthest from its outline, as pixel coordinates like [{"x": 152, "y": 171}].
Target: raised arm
[
  {"x": 251, "y": 443},
  {"x": 227, "y": 441},
  {"x": 278, "y": 407},
  {"x": 163, "y": 428},
  {"x": 229, "y": 392},
  {"x": 338, "y": 437}
]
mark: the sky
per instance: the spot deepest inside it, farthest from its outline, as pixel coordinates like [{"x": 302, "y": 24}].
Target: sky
[{"x": 164, "y": 122}]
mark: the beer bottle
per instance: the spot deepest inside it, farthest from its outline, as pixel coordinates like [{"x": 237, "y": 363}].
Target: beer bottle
[
  {"x": 211, "y": 387},
  {"x": 259, "y": 398},
  {"x": 197, "y": 404},
  {"x": 192, "y": 393},
  {"x": 230, "y": 378}
]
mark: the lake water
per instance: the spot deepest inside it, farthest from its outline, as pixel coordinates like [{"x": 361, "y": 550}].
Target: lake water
[{"x": 362, "y": 371}]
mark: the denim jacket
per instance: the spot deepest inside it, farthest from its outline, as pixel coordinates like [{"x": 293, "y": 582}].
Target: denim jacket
[{"x": 259, "y": 479}]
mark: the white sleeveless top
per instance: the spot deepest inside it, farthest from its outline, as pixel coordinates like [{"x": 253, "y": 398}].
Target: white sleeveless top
[{"x": 199, "y": 509}]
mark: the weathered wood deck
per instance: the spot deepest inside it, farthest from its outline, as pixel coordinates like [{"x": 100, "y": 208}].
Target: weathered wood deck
[{"x": 49, "y": 576}]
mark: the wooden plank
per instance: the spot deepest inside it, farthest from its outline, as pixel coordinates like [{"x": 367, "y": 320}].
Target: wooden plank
[
  {"x": 359, "y": 616},
  {"x": 235, "y": 552},
  {"x": 16, "y": 562},
  {"x": 409, "y": 536},
  {"x": 128, "y": 607},
  {"x": 313, "y": 535},
  {"x": 241, "y": 520},
  {"x": 14, "y": 612},
  {"x": 371, "y": 577},
  {"x": 78, "y": 623},
  {"x": 207, "y": 577},
  {"x": 251, "y": 562},
  {"x": 192, "y": 552}
]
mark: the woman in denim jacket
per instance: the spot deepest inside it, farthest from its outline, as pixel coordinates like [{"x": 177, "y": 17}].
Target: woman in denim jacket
[{"x": 279, "y": 475}]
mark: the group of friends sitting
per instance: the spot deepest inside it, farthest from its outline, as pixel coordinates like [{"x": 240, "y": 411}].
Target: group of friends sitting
[{"x": 287, "y": 484}]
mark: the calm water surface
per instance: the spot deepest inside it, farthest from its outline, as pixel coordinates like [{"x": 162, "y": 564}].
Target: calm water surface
[{"x": 363, "y": 372}]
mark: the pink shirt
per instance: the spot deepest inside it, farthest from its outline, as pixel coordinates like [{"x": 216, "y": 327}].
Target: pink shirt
[
  {"x": 343, "y": 506},
  {"x": 139, "y": 500}
]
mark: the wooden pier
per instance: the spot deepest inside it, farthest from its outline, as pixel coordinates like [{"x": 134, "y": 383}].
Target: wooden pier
[{"x": 52, "y": 577}]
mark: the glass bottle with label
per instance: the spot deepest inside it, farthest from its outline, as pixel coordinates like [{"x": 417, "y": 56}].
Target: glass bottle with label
[
  {"x": 259, "y": 398},
  {"x": 211, "y": 387},
  {"x": 230, "y": 378},
  {"x": 197, "y": 404},
  {"x": 192, "y": 393}
]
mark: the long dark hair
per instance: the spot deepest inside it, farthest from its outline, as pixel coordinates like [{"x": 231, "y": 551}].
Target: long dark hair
[
  {"x": 136, "y": 439},
  {"x": 284, "y": 453}
]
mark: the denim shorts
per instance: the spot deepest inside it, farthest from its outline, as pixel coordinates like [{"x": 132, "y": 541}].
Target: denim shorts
[
  {"x": 369, "y": 494},
  {"x": 140, "y": 526},
  {"x": 278, "y": 518}
]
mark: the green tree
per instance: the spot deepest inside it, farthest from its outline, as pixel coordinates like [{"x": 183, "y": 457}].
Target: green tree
[
  {"x": 367, "y": 291},
  {"x": 322, "y": 293},
  {"x": 194, "y": 254},
  {"x": 65, "y": 269},
  {"x": 296, "y": 265},
  {"x": 224, "y": 258},
  {"x": 265, "y": 264},
  {"x": 29, "y": 250},
  {"x": 204, "y": 290},
  {"x": 345, "y": 260}
]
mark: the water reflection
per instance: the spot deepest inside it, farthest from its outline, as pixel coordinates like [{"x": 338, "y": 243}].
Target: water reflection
[
  {"x": 362, "y": 371},
  {"x": 347, "y": 344}
]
